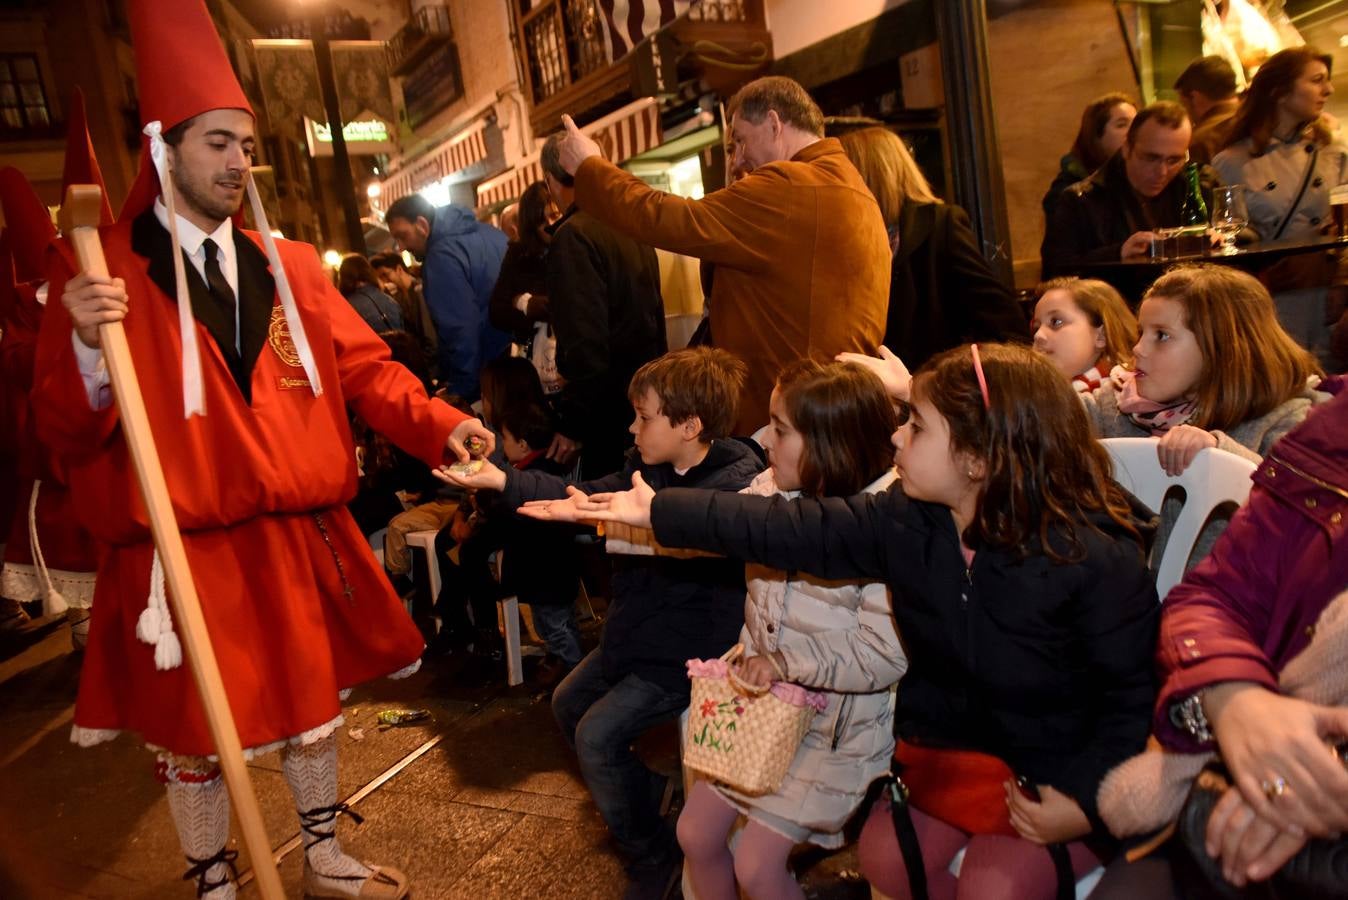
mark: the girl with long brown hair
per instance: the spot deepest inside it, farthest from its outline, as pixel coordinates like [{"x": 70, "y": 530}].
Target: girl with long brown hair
[
  {"x": 1281, "y": 147},
  {"x": 828, "y": 437},
  {"x": 1085, "y": 329},
  {"x": 1021, "y": 595}
]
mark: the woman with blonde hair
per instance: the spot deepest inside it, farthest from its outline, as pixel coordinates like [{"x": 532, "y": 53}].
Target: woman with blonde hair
[
  {"x": 941, "y": 291},
  {"x": 1281, "y": 146}
]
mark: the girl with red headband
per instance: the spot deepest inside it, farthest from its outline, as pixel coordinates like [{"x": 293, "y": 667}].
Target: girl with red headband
[{"x": 1024, "y": 604}]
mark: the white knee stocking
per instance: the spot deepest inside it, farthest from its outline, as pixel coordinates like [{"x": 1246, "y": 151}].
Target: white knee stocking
[
  {"x": 199, "y": 803},
  {"x": 311, "y": 771}
]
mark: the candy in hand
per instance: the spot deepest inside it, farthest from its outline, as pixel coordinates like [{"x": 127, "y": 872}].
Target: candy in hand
[
  {"x": 475, "y": 446},
  {"x": 472, "y": 467}
]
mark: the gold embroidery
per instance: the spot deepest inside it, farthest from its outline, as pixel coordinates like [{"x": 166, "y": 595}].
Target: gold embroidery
[
  {"x": 292, "y": 384},
  {"x": 278, "y": 335}
]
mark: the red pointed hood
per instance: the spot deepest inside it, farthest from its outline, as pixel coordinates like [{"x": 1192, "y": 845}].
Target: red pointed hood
[
  {"x": 81, "y": 163},
  {"x": 181, "y": 71},
  {"x": 27, "y": 223}
]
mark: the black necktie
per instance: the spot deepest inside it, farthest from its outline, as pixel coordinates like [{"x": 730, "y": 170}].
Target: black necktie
[{"x": 220, "y": 289}]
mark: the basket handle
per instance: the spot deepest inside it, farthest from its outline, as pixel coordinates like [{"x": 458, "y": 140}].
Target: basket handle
[{"x": 733, "y": 654}]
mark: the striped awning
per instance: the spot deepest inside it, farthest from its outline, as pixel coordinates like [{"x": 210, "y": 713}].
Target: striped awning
[
  {"x": 621, "y": 135},
  {"x": 459, "y": 152}
]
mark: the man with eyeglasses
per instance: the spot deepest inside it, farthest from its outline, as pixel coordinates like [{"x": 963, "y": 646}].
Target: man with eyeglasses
[{"x": 1112, "y": 214}]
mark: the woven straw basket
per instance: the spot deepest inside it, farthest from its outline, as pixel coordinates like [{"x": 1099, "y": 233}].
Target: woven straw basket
[{"x": 741, "y": 735}]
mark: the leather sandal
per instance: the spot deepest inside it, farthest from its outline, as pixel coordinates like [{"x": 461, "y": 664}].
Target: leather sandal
[{"x": 383, "y": 883}]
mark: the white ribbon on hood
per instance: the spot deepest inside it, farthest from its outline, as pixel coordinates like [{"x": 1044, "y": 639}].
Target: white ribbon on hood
[{"x": 194, "y": 400}]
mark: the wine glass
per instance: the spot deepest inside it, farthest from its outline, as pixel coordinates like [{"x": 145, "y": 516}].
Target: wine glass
[{"x": 1229, "y": 215}]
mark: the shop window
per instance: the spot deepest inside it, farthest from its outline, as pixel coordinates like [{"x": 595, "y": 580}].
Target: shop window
[{"x": 23, "y": 100}]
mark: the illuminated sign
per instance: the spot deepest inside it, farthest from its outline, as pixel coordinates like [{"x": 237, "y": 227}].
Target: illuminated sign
[{"x": 365, "y": 136}]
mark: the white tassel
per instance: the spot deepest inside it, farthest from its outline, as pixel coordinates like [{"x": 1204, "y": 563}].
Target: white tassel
[
  {"x": 292, "y": 311},
  {"x": 53, "y": 603},
  {"x": 168, "y": 653},
  {"x": 155, "y": 625},
  {"x": 194, "y": 401},
  {"x": 147, "y": 628}
]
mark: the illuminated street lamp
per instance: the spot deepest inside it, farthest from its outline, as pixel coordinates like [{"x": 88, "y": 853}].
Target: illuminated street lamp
[{"x": 332, "y": 258}]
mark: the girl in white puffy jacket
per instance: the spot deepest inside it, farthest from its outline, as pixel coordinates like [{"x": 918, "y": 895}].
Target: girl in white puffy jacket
[{"x": 829, "y": 436}]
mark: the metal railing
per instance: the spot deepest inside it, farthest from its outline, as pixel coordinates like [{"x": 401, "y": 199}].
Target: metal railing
[
  {"x": 427, "y": 21},
  {"x": 563, "y": 42}
]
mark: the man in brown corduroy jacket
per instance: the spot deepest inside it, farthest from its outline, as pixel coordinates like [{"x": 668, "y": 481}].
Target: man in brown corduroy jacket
[{"x": 802, "y": 258}]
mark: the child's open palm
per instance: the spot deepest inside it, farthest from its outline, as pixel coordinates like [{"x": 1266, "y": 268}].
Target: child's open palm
[
  {"x": 488, "y": 477},
  {"x": 576, "y": 507},
  {"x": 631, "y": 507}
]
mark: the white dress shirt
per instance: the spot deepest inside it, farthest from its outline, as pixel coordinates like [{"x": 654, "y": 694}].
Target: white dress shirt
[{"x": 93, "y": 368}]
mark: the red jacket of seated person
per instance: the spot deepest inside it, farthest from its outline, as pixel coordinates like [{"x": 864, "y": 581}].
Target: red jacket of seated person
[{"x": 1251, "y": 606}]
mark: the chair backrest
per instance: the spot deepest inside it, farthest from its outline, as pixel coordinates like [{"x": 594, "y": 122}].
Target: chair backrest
[
  {"x": 1214, "y": 477},
  {"x": 757, "y": 436}
]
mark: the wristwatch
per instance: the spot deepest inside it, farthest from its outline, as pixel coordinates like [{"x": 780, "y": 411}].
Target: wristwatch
[{"x": 1188, "y": 715}]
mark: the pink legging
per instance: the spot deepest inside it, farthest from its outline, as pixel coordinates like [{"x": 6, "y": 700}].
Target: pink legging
[
  {"x": 759, "y": 862},
  {"x": 995, "y": 867}
]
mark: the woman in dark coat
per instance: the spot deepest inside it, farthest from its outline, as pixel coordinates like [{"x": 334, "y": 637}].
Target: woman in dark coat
[
  {"x": 359, "y": 284},
  {"x": 520, "y": 298},
  {"x": 941, "y": 291},
  {"x": 1104, "y": 126}
]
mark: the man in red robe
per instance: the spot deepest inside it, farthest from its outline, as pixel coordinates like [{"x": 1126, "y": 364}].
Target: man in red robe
[{"x": 248, "y": 405}]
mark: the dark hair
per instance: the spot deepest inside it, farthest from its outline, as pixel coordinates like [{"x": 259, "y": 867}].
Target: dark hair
[
  {"x": 508, "y": 382},
  {"x": 1046, "y": 474},
  {"x": 533, "y": 207},
  {"x": 406, "y": 351},
  {"x": 1211, "y": 76},
  {"x": 783, "y": 95},
  {"x": 355, "y": 271},
  {"x": 1250, "y": 364},
  {"x": 388, "y": 260},
  {"x": 1163, "y": 112},
  {"x": 845, "y": 420},
  {"x": 550, "y": 158},
  {"x": 528, "y": 422},
  {"x": 1094, "y": 119},
  {"x": 1257, "y": 115},
  {"x": 174, "y": 136},
  {"x": 411, "y": 208},
  {"x": 696, "y": 381}
]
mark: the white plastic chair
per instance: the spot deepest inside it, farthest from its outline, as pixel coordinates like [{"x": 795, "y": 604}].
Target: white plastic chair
[{"x": 1214, "y": 478}]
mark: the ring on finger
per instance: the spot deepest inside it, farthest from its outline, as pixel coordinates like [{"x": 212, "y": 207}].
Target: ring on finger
[{"x": 1274, "y": 787}]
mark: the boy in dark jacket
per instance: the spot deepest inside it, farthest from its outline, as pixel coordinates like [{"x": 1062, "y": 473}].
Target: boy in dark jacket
[
  {"x": 665, "y": 610},
  {"x": 539, "y": 561}
]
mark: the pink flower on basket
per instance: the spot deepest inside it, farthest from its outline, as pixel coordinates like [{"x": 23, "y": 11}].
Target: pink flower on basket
[{"x": 708, "y": 708}]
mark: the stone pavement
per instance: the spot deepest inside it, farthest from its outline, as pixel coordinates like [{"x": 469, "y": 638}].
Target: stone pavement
[{"x": 495, "y": 808}]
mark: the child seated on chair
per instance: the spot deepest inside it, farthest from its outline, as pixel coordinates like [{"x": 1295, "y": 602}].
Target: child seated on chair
[
  {"x": 539, "y": 561},
  {"x": 664, "y": 610}
]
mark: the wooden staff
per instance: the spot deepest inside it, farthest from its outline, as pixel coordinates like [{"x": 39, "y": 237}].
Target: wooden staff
[{"x": 79, "y": 223}]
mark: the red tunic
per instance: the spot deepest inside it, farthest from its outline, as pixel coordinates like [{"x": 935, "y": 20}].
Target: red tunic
[
  {"x": 293, "y": 616},
  {"x": 68, "y": 551}
]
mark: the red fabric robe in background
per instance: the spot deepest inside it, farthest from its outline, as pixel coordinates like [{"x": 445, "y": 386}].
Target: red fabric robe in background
[
  {"x": 69, "y": 553},
  {"x": 295, "y": 603}
]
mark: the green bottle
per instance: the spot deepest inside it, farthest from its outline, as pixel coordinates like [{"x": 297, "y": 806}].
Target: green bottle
[{"x": 1194, "y": 211}]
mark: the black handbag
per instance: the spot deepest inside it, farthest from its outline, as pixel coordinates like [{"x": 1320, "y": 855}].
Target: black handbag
[{"x": 1319, "y": 870}]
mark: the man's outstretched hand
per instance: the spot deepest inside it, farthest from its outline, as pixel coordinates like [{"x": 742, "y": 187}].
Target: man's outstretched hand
[{"x": 576, "y": 148}]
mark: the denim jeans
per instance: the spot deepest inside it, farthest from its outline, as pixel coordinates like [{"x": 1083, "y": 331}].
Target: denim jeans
[
  {"x": 601, "y": 719},
  {"x": 557, "y": 626}
]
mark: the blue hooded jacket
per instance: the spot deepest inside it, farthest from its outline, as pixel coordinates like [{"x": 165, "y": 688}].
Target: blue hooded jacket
[{"x": 463, "y": 258}]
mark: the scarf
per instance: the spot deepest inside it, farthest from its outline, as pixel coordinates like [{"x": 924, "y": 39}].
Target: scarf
[
  {"x": 1092, "y": 378},
  {"x": 1152, "y": 417}
]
